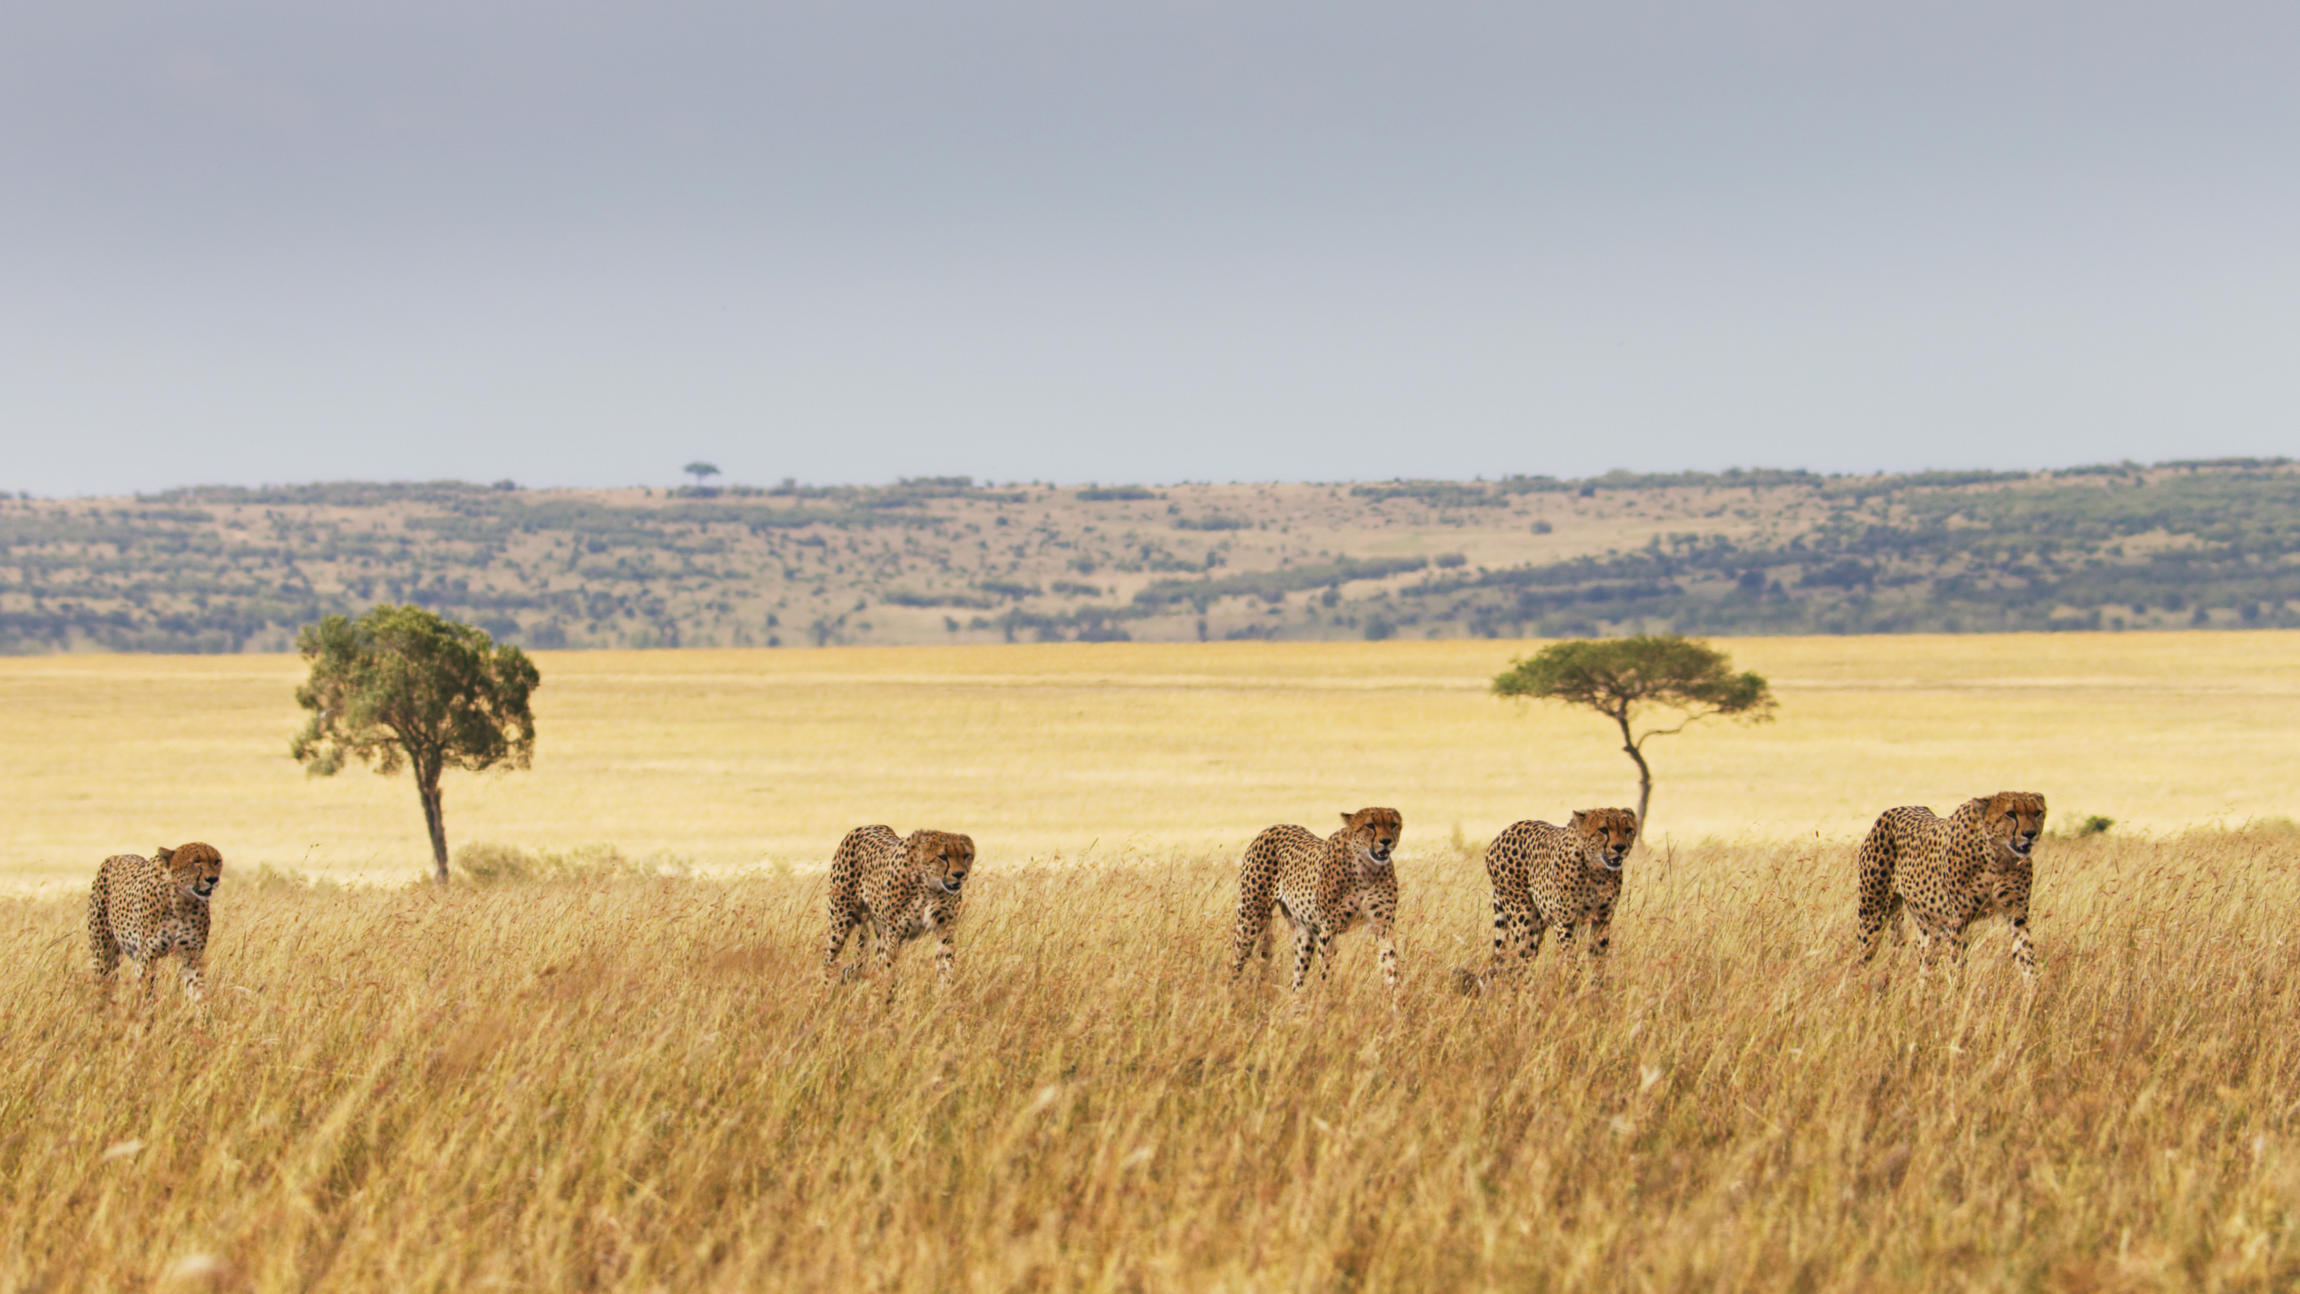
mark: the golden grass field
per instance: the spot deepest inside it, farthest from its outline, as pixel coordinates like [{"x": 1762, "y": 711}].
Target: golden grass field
[
  {"x": 726, "y": 759},
  {"x": 629, "y": 1082},
  {"x": 637, "y": 1084}
]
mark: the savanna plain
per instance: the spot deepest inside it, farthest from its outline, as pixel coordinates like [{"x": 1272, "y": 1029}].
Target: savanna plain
[{"x": 604, "y": 1057}]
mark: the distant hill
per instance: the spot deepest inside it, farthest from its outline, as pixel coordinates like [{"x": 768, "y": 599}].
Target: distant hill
[{"x": 2204, "y": 543}]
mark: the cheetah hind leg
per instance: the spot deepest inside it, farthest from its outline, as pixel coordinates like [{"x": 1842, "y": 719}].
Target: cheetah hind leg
[
  {"x": 842, "y": 926},
  {"x": 1506, "y": 936},
  {"x": 1881, "y": 917},
  {"x": 1305, "y": 948},
  {"x": 103, "y": 957}
]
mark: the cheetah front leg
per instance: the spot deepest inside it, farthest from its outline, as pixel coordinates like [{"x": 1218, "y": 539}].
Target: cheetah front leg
[
  {"x": 887, "y": 949},
  {"x": 2023, "y": 954},
  {"x": 1385, "y": 937},
  {"x": 1600, "y": 944},
  {"x": 2013, "y": 900},
  {"x": 147, "y": 979},
  {"x": 1383, "y": 918},
  {"x": 196, "y": 985},
  {"x": 945, "y": 951}
]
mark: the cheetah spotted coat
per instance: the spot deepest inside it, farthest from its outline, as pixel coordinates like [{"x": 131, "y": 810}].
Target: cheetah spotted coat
[
  {"x": 897, "y": 889},
  {"x": 1325, "y": 887},
  {"x": 145, "y": 908},
  {"x": 1566, "y": 877},
  {"x": 1950, "y": 872}
]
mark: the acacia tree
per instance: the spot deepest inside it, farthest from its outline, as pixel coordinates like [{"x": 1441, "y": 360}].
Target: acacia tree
[
  {"x": 1624, "y": 678},
  {"x": 402, "y": 687},
  {"x": 701, "y": 471}
]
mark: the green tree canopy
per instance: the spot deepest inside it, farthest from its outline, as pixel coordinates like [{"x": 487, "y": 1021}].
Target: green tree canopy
[
  {"x": 401, "y": 687},
  {"x": 1626, "y": 678},
  {"x": 700, "y": 470}
]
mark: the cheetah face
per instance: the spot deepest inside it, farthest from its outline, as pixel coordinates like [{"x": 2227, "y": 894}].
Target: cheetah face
[
  {"x": 1606, "y": 836},
  {"x": 196, "y": 867},
  {"x": 1375, "y": 832},
  {"x": 944, "y": 858},
  {"x": 2015, "y": 819}
]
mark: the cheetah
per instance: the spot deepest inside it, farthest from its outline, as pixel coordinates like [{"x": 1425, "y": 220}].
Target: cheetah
[
  {"x": 144, "y": 909},
  {"x": 1566, "y": 876},
  {"x": 899, "y": 890},
  {"x": 1324, "y": 887},
  {"x": 1950, "y": 872}
]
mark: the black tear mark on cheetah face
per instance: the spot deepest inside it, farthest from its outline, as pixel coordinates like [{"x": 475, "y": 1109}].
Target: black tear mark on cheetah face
[
  {"x": 943, "y": 858},
  {"x": 1607, "y": 835},
  {"x": 197, "y": 868},
  {"x": 1375, "y": 831},
  {"x": 2015, "y": 819}
]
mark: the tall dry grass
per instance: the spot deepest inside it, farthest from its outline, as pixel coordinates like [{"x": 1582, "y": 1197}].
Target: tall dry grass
[{"x": 631, "y": 1083}]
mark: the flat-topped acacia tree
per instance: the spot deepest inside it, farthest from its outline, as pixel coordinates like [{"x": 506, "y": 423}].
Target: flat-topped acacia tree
[
  {"x": 1622, "y": 678},
  {"x": 403, "y": 687}
]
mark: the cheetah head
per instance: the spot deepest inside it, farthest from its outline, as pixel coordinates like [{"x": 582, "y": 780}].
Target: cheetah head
[
  {"x": 196, "y": 867},
  {"x": 1374, "y": 832},
  {"x": 943, "y": 858},
  {"x": 2014, "y": 819},
  {"x": 1606, "y": 835}
]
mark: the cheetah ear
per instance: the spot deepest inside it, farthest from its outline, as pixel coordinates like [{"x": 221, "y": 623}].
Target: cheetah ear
[
  {"x": 1579, "y": 816},
  {"x": 1349, "y": 819},
  {"x": 163, "y": 855}
]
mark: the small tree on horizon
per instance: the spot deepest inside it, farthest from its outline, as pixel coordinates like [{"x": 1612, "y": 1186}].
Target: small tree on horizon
[
  {"x": 1623, "y": 678},
  {"x": 700, "y": 470},
  {"x": 403, "y": 687}
]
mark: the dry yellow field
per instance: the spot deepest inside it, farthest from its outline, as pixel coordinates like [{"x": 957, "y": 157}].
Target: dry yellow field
[
  {"x": 637, "y": 1084},
  {"x": 725, "y": 759},
  {"x": 625, "y": 1082}
]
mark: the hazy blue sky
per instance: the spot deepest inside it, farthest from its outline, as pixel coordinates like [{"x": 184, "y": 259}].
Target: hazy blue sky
[{"x": 580, "y": 243}]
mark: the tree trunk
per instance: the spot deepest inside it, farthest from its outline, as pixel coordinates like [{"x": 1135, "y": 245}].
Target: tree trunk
[
  {"x": 427, "y": 790},
  {"x": 1644, "y": 774}
]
